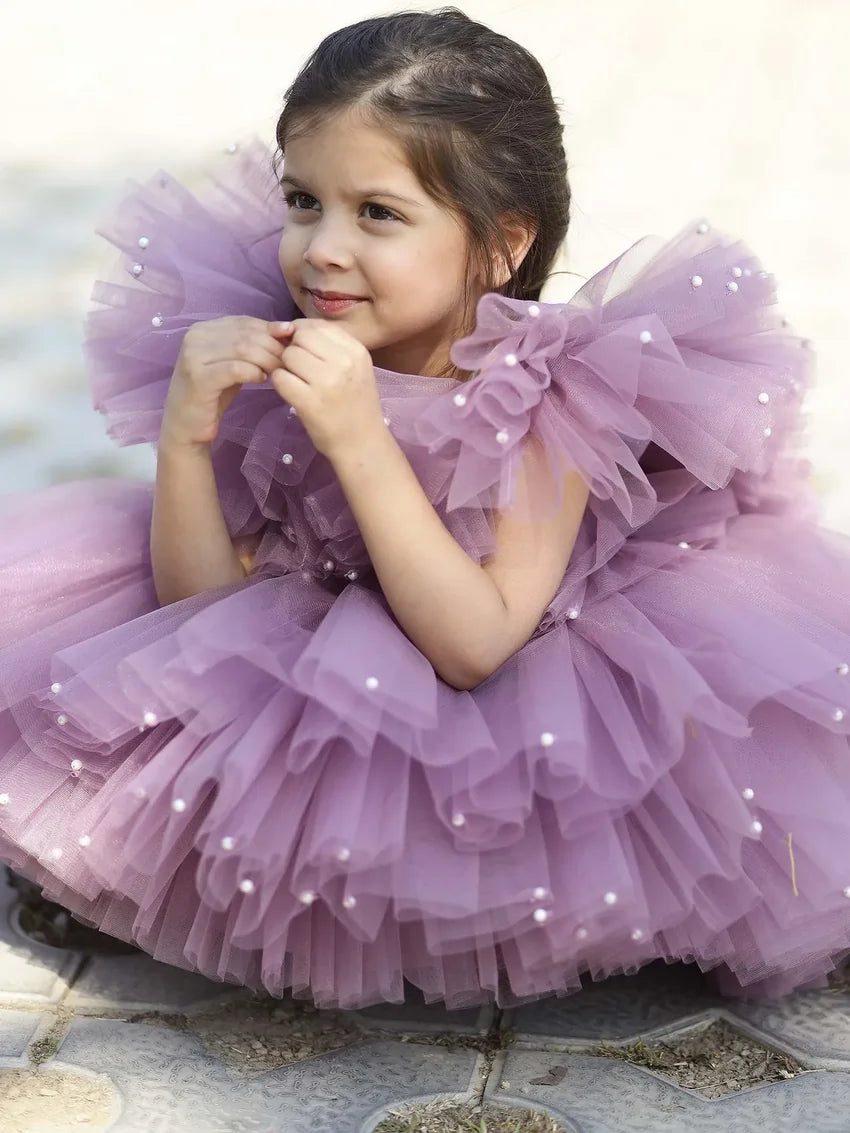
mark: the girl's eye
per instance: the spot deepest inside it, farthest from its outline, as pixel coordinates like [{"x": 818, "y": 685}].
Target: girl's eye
[
  {"x": 296, "y": 199},
  {"x": 387, "y": 215}
]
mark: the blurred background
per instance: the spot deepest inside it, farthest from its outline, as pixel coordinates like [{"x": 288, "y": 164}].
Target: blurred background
[{"x": 735, "y": 110}]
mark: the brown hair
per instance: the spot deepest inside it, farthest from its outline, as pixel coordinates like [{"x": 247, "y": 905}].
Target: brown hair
[{"x": 475, "y": 114}]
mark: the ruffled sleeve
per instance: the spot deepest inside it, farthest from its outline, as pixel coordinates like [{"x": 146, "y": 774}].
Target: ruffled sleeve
[
  {"x": 185, "y": 257},
  {"x": 677, "y": 345}
]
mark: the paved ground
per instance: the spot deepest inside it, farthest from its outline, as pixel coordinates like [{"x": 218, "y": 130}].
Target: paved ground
[{"x": 122, "y": 1043}]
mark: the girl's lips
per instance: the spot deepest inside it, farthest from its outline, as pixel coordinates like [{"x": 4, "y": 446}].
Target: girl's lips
[{"x": 331, "y": 304}]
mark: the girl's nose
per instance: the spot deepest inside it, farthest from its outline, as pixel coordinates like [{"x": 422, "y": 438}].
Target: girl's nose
[{"x": 329, "y": 247}]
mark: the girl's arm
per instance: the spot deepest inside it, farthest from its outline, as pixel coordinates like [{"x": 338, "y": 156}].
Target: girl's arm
[
  {"x": 191, "y": 549},
  {"x": 467, "y": 619}
]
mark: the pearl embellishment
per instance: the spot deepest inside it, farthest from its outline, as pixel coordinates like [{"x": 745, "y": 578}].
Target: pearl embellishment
[
  {"x": 764, "y": 398},
  {"x": 610, "y": 898},
  {"x": 572, "y": 613},
  {"x": 227, "y": 843},
  {"x": 732, "y": 286},
  {"x": 581, "y": 934},
  {"x": 646, "y": 336},
  {"x": 847, "y": 891},
  {"x": 458, "y": 819},
  {"x": 286, "y": 458},
  {"x": 534, "y": 310},
  {"x": 702, "y": 228},
  {"x": 547, "y": 739},
  {"x": 344, "y": 854},
  {"x": 84, "y": 840},
  {"x": 838, "y": 715},
  {"x": 246, "y": 885},
  {"x": 179, "y": 805},
  {"x": 683, "y": 546},
  {"x": 372, "y": 683},
  {"x": 157, "y": 321},
  {"x": 843, "y": 669},
  {"x": 460, "y": 399},
  {"x": 502, "y": 437},
  {"x": 637, "y": 934},
  {"x": 56, "y": 853},
  {"x": 76, "y": 766},
  {"x": 768, "y": 432},
  {"x": 137, "y": 270},
  {"x": 511, "y": 359},
  {"x": 756, "y": 827},
  {"x": 736, "y": 271},
  {"x": 307, "y": 897},
  {"x": 4, "y": 799},
  {"x": 349, "y": 902},
  {"x": 541, "y": 916},
  {"x": 150, "y": 718},
  {"x": 143, "y": 242},
  {"x": 539, "y": 893},
  {"x": 62, "y": 720},
  {"x": 55, "y": 687},
  {"x": 696, "y": 281},
  {"x": 352, "y": 575},
  {"x": 748, "y": 793}
]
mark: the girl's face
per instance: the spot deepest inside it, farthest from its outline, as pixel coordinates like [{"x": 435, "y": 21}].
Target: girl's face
[{"x": 360, "y": 225}]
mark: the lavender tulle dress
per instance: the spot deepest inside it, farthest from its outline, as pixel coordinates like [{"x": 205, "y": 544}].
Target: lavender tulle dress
[{"x": 268, "y": 782}]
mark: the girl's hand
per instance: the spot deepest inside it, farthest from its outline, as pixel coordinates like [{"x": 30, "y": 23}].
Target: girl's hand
[
  {"x": 216, "y": 359},
  {"x": 327, "y": 375}
]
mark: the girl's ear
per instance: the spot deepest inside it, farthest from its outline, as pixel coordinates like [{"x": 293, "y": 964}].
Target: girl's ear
[{"x": 520, "y": 236}]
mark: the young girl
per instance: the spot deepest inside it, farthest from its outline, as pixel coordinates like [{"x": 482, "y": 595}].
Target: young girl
[{"x": 464, "y": 638}]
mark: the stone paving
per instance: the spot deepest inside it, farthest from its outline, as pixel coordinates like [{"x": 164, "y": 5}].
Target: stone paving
[{"x": 108, "y": 1021}]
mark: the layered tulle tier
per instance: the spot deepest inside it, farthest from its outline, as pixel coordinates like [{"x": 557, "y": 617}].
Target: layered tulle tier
[{"x": 269, "y": 783}]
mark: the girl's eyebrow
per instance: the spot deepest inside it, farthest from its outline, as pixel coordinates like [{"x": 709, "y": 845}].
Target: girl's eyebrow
[{"x": 287, "y": 179}]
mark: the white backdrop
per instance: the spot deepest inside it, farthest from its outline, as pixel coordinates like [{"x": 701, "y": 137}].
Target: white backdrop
[{"x": 736, "y": 110}]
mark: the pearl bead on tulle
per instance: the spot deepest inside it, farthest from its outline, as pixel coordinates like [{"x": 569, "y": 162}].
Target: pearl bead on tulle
[
  {"x": 328, "y": 564},
  {"x": 756, "y": 827},
  {"x": 610, "y": 898},
  {"x": 702, "y": 228},
  {"x": 286, "y": 458},
  {"x": 150, "y": 718},
  {"x": 683, "y": 546},
  {"x": 4, "y": 799},
  {"x": 307, "y": 897},
  {"x": 55, "y": 687},
  {"x": 140, "y": 792},
  {"x": 736, "y": 271},
  {"x": 534, "y": 310},
  {"x": 372, "y": 683},
  {"x": 502, "y": 437},
  {"x": 581, "y": 934},
  {"x": 179, "y": 805},
  {"x": 76, "y": 766},
  {"x": 768, "y": 432},
  {"x": 56, "y": 853},
  {"x": 646, "y": 336},
  {"x": 547, "y": 739},
  {"x": 143, "y": 242},
  {"x": 696, "y": 281},
  {"x": 349, "y": 902},
  {"x": 458, "y": 819},
  {"x": 511, "y": 359},
  {"x": 344, "y": 854},
  {"x": 843, "y": 669},
  {"x": 541, "y": 916},
  {"x": 62, "y": 720},
  {"x": 460, "y": 399},
  {"x": 227, "y": 843},
  {"x": 84, "y": 840},
  {"x": 352, "y": 575},
  {"x": 137, "y": 270},
  {"x": 748, "y": 793},
  {"x": 246, "y": 885},
  {"x": 157, "y": 321},
  {"x": 847, "y": 891},
  {"x": 572, "y": 613},
  {"x": 838, "y": 715},
  {"x": 732, "y": 286},
  {"x": 232, "y": 148},
  {"x": 539, "y": 893},
  {"x": 637, "y": 934},
  {"x": 764, "y": 397},
  {"x": 293, "y": 412}
]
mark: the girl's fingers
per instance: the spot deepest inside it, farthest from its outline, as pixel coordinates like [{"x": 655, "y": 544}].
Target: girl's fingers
[
  {"x": 303, "y": 363},
  {"x": 264, "y": 356},
  {"x": 232, "y": 372}
]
